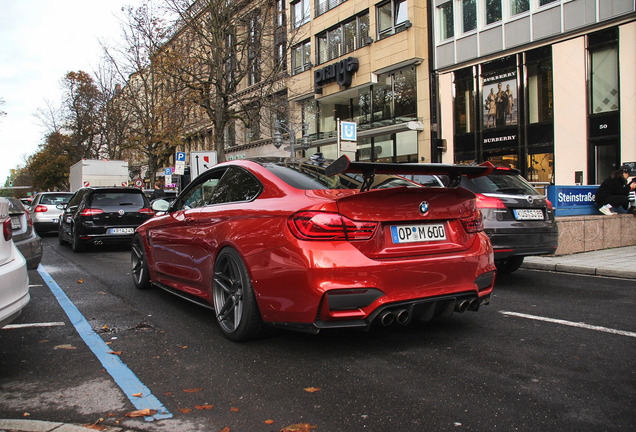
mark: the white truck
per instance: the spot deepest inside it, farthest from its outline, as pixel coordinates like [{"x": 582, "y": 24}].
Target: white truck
[{"x": 90, "y": 172}]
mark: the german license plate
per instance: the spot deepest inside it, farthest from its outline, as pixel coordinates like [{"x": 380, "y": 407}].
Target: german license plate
[
  {"x": 417, "y": 233},
  {"x": 122, "y": 230},
  {"x": 528, "y": 214},
  {"x": 15, "y": 222}
]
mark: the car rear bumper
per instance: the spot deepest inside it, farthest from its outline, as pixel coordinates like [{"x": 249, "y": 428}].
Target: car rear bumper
[
  {"x": 45, "y": 226},
  {"x": 312, "y": 294},
  {"x": 14, "y": 289},
  {"x": 507, "y": 243}
]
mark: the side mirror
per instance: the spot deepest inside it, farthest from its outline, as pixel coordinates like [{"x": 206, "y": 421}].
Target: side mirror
[{"x": 160, "y": 205}]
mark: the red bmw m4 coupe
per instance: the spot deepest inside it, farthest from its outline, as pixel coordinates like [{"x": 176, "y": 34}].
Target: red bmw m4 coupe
[{"x": 306, "y": 244}]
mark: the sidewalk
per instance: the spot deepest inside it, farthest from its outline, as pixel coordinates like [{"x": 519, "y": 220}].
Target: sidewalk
[
  {"x": 617, "y": 262},
  {"x": 45, "y": 426}
]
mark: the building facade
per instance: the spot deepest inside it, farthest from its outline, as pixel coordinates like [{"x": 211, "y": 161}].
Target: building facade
[
  {"x": 546, "y": 86},
  {"x": 357, "y": 61}
]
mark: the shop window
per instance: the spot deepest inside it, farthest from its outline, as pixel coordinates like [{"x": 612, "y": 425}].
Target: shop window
[
  {"x": 392, "y": 17},
  {"x": 343, "y": 39},
  {"x": 519, "y": 6},
  {"x": 493, "y": 11},
  {"x": 301, "y": 57},
  {"x": 541, "y": 167},
  {"x": 464, "y": 102},
  {"x": 500, "y": 103},
  {"x": 361, "y": 107},
  {"x": 469, "y": 15},
  {"x": 540, "y": 92},
  {"x": 446, "y": 27},
  {"x": 301, "y": 13}
]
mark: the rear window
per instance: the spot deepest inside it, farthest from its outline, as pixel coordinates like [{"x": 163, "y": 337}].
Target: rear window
[
  {"x": 308, "y": 176},
  {"x": 499, "y": 183},
  {"x": 117, "y": 199},
  {"x": 51, "y": 199}
]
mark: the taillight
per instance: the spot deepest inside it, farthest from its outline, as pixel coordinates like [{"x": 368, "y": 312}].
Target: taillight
[
  {"x": 41, "y": 209},
  {"x": 484, "y": 201},
  {"x": 329, "y": 226},
  {"x": 91, "y": 212},
  {"x": 474, "y": 223},
  {"x": 148, "y": 211},
  {"x": 549, "y": 204},
  {"x": 28, "y": 218},
  {"x": 7, "y": 229}
]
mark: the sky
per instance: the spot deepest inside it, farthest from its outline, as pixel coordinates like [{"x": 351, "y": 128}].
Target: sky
[{"x": 40, "y": 42}]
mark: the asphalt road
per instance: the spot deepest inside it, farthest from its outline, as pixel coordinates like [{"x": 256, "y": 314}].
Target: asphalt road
[{"x": 552, "y": 352}]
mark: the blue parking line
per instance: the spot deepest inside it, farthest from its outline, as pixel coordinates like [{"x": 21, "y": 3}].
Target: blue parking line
[{"x": 123, "y": 376}]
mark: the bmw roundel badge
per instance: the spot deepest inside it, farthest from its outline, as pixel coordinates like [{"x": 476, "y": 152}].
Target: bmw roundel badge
[{"x": 424, "y": 207}]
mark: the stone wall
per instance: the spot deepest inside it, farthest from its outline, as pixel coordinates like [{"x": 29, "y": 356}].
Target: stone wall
[{"x": 588, "y": 233}]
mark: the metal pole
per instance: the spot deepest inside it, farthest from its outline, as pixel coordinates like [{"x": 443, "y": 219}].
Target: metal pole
[
  {"x": 292, "y": 135},
  {"x": 338, "y": 139}
]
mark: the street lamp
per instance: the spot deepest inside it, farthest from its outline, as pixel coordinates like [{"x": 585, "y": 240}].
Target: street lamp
[{"x": 291, "y": 129}]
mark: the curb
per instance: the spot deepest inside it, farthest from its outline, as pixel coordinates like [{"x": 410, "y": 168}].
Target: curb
[
  {"x": 46, "y": 426},
  {"x": 577, "y": 269}
]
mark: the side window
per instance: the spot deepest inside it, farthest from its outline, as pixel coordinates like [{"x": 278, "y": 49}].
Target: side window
[
  {"x": 201, "y": 191},
  {"x": 236, "y": 185},
  {"x": 76, "y": 199}
]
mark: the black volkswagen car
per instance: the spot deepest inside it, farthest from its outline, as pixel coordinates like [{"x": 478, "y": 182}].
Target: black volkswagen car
[{"x": 96, "y": 216}]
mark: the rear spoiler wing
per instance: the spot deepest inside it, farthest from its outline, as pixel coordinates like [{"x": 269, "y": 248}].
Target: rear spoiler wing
[{"x": 370, "y": 169}]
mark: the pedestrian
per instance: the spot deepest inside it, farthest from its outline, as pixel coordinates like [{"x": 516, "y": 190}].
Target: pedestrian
[
  {"x": 158, "y": 193},
  {"x": 613, "y": 193}
]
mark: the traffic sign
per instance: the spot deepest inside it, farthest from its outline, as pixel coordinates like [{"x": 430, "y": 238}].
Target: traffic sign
[
  {"x": 348, "y": 131},
  {"x": 167, "y": 171},
  {"x": 179, "y": 167},
  {"x": 181, "y": 156}
]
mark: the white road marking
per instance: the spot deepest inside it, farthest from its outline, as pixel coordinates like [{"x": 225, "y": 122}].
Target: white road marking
[
  {"x": 18, "y": 326},
  {"x": 571, "y": 323}
]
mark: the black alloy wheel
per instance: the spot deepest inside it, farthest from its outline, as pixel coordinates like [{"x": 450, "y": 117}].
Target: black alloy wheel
[
  {"x": 139, "y": 272},
  {"x": 234, "y": 302},
  {"x": 77, "y": 245}
]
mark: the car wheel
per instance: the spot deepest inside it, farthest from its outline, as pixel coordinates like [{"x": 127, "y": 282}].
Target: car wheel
[
  {"x": 139, "y": 272},
  {"x": 234, "y": 301},
  {"x": 60, "y": 238},
  {"x": 508, "y": 265},
  {"x": 76, "y": 243}
]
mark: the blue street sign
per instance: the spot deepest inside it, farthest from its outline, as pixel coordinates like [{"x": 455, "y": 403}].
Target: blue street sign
[
  {"x": 348, "y": 131},
  {"x": 180, "y": 156},
  {"x": 167, "y": 171}
]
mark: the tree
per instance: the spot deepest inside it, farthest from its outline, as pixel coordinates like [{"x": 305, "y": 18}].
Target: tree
[
  {"x": 153, "y": 108},
  {"x": 48, "y": 168},
  {"x": 229, "y": 59}
]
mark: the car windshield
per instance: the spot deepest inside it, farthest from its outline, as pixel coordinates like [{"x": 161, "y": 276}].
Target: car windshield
[
  {"x": 51, "y": 199},
  {"x": 306, "y": 175},
  {"x": 117, "y": 199},
  {"x": 499, "y": 183}
]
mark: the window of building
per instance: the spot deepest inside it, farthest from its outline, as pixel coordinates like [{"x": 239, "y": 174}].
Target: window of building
[
  {"x": 301, "y": 12},
  {"x": 310, "y": 115},
  {"x": 394, "y": 96},
  {"x": 519, "y": 6},
  {"x": 301, "y": 57},
  {"x": 392, "y": 17},
  {"x": 254, "y": 67},
  {"x": 446, "y": 27},
  {"x": 280, "y": 13},
  {"x": 604, "y": 79},
  {"x": 343, "y": 39},
  {"x": 469, "y": 15},
  {"x": 323, "y": 6},
  {"x": 464, "y": 103},
  {"x": 252, "y": 129},
  {"x": 493, "y": 11},
  {"x": 545, "y": 2},
  {"x": 540, "y": 91},
  {"x": 229, "y": 134}
]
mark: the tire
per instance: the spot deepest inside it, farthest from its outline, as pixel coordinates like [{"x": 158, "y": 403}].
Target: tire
[
  {"x": 76, "y": 243},
  {"x": 509, "y": 265},
  {"x": 234, "y": 302},
  {"x": 60, "y": 239},
  {"x": 139, "y": 262}
]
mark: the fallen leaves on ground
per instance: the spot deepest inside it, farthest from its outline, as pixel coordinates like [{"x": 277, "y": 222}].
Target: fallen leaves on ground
[
  {"x": 141, "y": 413},
  {"x": 115, "y": 352},
  {"x": 80, "y": 281},
  {"x": 185, "y": 410},
  {"x": 204, "y": 407},
  {"x": 299, "y": 427},
  {"x": 234, "y": 409},
  {"x": 193, "y": 390},
  {"x": 96, "y": 425},
  {"x": 65, "y": 346},
  {"x": 312, "y": 389},
  {"x": 225, "y": 429},
  {"x": 137, "y": 394},
  {"x": 269, "y": 421}
]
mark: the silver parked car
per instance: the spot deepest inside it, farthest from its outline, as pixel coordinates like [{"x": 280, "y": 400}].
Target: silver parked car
[
  {"x": 25, "y": 238},
  {"x": 14, "y": 280},
  {"x": 46, "y": 214}
]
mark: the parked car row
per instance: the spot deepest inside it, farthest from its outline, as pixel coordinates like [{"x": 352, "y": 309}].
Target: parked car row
[{"x": 310, "y": 244}]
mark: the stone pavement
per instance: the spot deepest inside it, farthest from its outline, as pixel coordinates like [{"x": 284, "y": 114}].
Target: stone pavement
[{"x": 617, "y": 262}]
